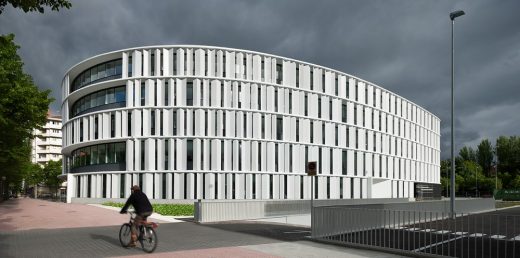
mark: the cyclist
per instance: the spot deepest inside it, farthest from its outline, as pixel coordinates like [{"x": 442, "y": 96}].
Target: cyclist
[{"x": 143, "y": 209}]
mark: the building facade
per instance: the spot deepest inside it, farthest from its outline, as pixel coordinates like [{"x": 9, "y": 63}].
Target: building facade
[
  {"x": 197, "y": 122},
  {"x": 47, "y": 142}
]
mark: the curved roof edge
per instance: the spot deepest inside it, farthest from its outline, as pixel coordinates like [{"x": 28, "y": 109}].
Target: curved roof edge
[{"x": 250, "y": 52}]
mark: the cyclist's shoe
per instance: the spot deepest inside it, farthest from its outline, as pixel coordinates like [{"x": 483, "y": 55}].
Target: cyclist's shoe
[{"x": 132, "y": 244}]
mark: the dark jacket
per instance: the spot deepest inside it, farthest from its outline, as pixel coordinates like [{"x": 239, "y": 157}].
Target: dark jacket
[{"x": 139, "y": 201}]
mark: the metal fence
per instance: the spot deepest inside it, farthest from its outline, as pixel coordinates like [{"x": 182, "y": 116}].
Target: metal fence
[{"x": 419, "y": 233}]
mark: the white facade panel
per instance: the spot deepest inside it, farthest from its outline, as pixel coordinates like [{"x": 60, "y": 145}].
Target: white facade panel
[{"x": 233, "y": 124}]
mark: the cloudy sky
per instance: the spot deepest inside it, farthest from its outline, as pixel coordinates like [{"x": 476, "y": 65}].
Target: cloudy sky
[{"x": 403, "y": 46}]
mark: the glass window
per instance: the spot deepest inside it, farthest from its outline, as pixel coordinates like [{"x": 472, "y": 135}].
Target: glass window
[
  {"x": 120, "y": 152},
  {"x": 81, "y": 79},
  {"x": 101, "y": 71},
  {"x": 82, "y": 157},
  {"x": 81, "y": 105},
  {"x": 87, "y": 102},
  {"x": 94, "y": 155},
  {"x": 111, "y": 154},
  {"x": 120, "y": 94},
  {"x": 118, "y": 69},
  {"x": 93, "y": 74},
  {"x": 87, "y": 155},
  {"x": 189, "y": 150},
  {"x": 110, "y": 69},
  {"x": 101, "y": 98},
  {"x": 189, "y": 94},
  {"x": 87, "y": 77},
  {"x": 102, "y": 154},
  {"x": 111, "y": 96},
  {"x": 93, "y": 100}
]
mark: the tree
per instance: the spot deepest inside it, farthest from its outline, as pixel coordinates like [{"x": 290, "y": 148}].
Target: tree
[
  {"x": 23, "y": 107},
  {"x": 467, "y": 153},
  {"x": 485, "y": 156},
  {"x": 35, "y": 5},
  {"x": 50, "y": 173},
  {"x": 508, "y": 155}
]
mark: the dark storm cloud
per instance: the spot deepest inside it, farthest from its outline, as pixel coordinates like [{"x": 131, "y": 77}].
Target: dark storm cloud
[{"x": 403, "y": 46}]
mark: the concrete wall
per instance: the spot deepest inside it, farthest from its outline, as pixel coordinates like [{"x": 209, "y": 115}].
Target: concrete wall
[{"x": 216, "y": 210}]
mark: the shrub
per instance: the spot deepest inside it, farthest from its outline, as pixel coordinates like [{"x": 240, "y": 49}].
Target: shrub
[{"x": 164, "y": 209}]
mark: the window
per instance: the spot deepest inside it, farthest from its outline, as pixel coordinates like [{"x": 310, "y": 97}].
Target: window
[
  {"x": 344, "y": 113},
  {"x": 306, "y": 103},
  {"x": 312, "y": 132},
  {"x": 112, "y": 125},
  {"x": 143, "y": 94},
  {"x": 174, "y": 121},
  {"x": 297, "y": 129},
  {"x": 152, "y": 122},
  {"x": 279, "y": 128},
  {"x": 319, "y": 106},
  {"x": 276, "y": 157},
  {"x": 93, "y": 101},
  {"x": 111, "y": 153},
  {"x": 102, "y": 153},
  {"x": 344, "y": 162},
  {"x": 129, "y": 123},
  {"x": 330, "y": 110},
  {"x": 105, "y": 71},
  {"x": 189, "y": 93},
  {"x": 189, "y": 156},
  {"x": 279, "y": 73},
  {"x": 336, "y": 135},
  {"x": 81, "y": 130},
  {"x": 129, "y": 65}
]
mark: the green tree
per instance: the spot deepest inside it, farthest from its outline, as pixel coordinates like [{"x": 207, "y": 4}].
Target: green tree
[
  {"x": 508, "y": 155},
  {"x": 50, "y": 173},
  {"x": 485, "y": 156},
  {"x": 467, "y": 153},
  {"x": 23, "y": 107},
  {"x": 35, "y": 5},
  {"x": 33, "y": 174}
]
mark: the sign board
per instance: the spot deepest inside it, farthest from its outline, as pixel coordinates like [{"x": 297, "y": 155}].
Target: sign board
[{"x": 311, "y": 168}]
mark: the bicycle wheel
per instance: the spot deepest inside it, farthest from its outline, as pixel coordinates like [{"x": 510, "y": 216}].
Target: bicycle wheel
[
  {"x": 125, "y": 235},
  {"x": 148, "y": 239}
]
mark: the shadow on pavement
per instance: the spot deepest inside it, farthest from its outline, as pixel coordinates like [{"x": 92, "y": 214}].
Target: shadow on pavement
[
  {"x": 108, "y": 239},
  {"x": 7, "y": 208},
  {"x": 278, "y": 231}
]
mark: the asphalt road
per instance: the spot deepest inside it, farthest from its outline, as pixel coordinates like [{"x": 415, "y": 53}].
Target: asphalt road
[{"x": 492, "y": 234}]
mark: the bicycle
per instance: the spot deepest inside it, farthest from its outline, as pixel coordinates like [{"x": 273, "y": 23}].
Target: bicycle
[{"x": 145, "y": 234}]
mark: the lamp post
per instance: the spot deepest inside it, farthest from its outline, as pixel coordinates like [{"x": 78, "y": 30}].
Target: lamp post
[
  {"x": 476, "y": 183},
  {"x": 453, "y": 15}
]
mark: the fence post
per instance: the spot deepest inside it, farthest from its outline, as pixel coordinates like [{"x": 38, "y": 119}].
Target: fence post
[{"x": 197, "y": 211}]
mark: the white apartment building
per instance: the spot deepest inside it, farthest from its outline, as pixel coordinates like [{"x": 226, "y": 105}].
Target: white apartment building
[
  {"x": 46, "y": 144},
  {"x": 197, "y": 122}
]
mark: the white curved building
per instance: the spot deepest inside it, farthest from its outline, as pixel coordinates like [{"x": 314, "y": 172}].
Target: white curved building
[{"x": 197, "y": 122}]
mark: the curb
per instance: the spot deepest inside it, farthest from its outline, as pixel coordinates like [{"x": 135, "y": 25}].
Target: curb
[{"x": 157, "y": 216}]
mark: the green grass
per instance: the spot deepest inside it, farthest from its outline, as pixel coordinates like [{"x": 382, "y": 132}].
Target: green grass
[
  {"x": 504, "y": 204},
  {"x": 164, "y": 209}
]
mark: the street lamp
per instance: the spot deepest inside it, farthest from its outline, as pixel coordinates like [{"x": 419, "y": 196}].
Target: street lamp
[{"x": 453, "y": 15}]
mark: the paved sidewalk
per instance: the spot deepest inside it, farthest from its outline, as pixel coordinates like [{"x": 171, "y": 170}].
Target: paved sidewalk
[
  {"x": 35, "y": 228},
  {"x": 26, "y": 213}
]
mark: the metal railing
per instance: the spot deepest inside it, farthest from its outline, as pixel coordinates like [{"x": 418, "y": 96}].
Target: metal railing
[{"x": 420, "y": 233}]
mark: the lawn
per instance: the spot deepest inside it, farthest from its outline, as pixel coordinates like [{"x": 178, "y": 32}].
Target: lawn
[
  {"x": 504, "y": 204},
  {"x": 164, "y": 209}
]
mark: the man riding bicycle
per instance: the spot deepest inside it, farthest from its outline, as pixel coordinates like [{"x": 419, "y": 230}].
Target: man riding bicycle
[{"x": 143, "y": 209}]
